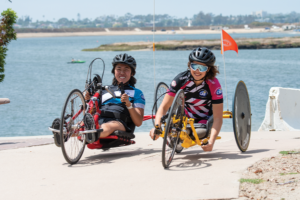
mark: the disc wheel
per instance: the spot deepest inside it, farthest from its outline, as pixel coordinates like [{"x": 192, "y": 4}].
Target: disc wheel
[
  {"x": 172, "y": 131},
  {"x": 241, "y": 111},
  {"x": 72, "y": 143}
]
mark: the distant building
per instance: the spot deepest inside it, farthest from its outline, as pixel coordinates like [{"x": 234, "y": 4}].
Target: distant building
[
  {"x": 189, "y": 23},
  {"x": 260, "y": 14}
]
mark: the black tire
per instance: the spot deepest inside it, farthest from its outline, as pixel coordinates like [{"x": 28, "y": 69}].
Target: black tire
[
  {"x": 241, "y": 113},
  {"x": 159, "y": 95},
  {"x": 160, "y": 89},
  {"x": 56, "y": 136},
  {"x": 171, "y": 137},
  {"x": 72, "y": 144}
]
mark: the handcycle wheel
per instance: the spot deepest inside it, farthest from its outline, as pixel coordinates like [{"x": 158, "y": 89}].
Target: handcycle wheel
[
  {"x": 161, "y": 88},
  {"x": 241, "y": 111},
  {"x": 172, "y": 131},
  {"x": 72, "y": 143}
]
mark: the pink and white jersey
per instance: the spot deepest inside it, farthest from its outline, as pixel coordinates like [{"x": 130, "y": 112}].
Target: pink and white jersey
[{"x": 198, "y": 99}]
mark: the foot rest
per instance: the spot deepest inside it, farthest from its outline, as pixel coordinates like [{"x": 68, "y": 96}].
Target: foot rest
[{"x": 124, "y": 134}]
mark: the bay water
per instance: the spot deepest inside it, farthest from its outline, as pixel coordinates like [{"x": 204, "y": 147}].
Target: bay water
[{"x": 38, "y": 78}]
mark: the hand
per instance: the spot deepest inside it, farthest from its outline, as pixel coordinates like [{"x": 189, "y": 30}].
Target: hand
[
  {"x": 125, "y": 98},
  {"x": 208, "y": 147},
  {"x": 87, "y": 95},
  {"x": 152, "y": 135}
]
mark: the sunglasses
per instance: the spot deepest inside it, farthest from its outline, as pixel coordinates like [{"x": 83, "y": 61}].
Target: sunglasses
[{"x": 200, "y": 67}]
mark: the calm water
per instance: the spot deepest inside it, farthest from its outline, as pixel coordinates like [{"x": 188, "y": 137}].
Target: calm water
[{"x": 38, "y": 78}]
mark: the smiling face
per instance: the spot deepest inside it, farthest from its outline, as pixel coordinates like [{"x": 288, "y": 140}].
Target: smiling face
[
  {"x": 197, "y": 75},
  {"x": 122, "y": 73}
]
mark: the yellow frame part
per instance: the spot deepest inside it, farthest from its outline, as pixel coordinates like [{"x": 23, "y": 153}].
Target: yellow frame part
[{"x": 187, "y": 141}]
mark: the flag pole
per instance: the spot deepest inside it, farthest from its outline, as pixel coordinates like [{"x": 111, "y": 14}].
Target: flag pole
[
  {"x": 153, "y": 42},
  {"x": 222, "y": 46}
]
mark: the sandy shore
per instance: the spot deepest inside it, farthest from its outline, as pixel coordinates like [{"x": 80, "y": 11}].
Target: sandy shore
[{"x": 137, "y": 32}]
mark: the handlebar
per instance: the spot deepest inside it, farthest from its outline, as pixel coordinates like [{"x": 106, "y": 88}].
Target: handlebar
[{"x": 110, "y": 92}]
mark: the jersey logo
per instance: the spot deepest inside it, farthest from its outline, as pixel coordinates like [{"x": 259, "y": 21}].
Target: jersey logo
[
  {"x": 173, "y": 83},
  {"x": 219, "y": 91},
  {"x": 203, "y": 93}
]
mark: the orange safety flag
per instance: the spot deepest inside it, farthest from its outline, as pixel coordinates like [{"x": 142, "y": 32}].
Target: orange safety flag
[{"x": 227, "y": 43}]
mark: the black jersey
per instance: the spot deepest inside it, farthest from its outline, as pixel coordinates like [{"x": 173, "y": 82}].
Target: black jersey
[{"x": 198, "y": 99}]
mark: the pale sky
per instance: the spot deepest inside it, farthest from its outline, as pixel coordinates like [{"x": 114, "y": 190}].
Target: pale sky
[{"x": 56, "y": 9}]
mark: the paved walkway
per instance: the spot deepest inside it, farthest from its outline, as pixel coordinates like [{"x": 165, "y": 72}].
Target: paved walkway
[
  {"x": 21, "y": 142},
  {"x": 136, "y": 172}
]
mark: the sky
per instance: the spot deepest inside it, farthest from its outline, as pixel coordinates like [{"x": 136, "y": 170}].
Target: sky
[{"x": 56, "y": 9}]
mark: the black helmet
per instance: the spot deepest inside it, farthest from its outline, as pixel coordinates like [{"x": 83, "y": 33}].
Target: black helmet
[
  {"x": 124, "y": 58},
  {"x": 203, "y": 55}
]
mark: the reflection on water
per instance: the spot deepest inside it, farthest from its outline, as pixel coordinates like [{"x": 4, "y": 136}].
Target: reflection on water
[{"x": 38, "y": 78}]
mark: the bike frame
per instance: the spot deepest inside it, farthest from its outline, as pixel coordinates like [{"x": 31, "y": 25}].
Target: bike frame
[{"x": 187, "y": 140}]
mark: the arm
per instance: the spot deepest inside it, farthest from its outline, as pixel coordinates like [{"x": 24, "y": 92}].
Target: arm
[
  {"x": 216, "y": 127},
  {"x": 162, "y": 110},
  {"x": 136, "y": 114}
]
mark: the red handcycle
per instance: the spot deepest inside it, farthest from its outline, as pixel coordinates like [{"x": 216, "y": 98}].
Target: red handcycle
[{"x": 79, "y": 126}]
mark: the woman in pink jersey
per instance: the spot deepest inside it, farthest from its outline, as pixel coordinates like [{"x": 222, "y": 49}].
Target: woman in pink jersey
[{"x": 203, "y": 94}]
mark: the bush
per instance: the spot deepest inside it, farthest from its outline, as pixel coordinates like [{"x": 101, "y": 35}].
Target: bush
[{"x": 7, "y": 33}]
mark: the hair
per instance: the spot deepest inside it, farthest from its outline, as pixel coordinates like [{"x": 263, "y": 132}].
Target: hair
[
  {"x": 132, "y": 80},
  {"x": 212, "y": 71}
]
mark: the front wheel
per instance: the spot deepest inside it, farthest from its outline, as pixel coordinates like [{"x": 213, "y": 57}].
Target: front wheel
[
  {"x": 172, "y": 129},
  {"x": 72, "y": 144}
]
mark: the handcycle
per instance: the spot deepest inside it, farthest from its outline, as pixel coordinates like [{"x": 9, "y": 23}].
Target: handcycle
[
  {"x": 79, "y": 125},
  {"x": 179, "y": 132}
]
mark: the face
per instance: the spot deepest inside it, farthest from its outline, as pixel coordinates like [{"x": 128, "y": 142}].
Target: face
[
  {"x": 122, "y": 73},
  {"x": 197, "y": 75}
]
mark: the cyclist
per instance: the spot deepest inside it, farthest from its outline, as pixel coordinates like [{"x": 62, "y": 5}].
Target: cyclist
[
  {"x": 127, "y": 110},
  {"x": 203, "y": 94}
]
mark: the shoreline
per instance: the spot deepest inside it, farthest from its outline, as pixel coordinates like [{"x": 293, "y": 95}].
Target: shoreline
[
  {"x": 140, "y": 32},
  {"x": 171, "y": 45}
]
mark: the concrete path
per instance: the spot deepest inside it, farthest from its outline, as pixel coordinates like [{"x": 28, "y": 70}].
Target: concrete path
[
  {"x": 21, "y": 142},
  {"x": 136, "y": 172}
]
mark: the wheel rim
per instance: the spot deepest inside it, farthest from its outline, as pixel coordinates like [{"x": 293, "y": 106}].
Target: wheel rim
[
  {"x": 72, "y": 142},
  {"x": 242, "y": 116},
  {"x": 172, "y": 131}
]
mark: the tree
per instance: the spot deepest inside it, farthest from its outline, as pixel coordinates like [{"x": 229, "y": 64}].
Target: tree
[{"x": 7, "y": 33}]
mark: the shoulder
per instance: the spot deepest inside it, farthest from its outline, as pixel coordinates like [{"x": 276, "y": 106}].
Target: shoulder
[
  {"x": 180, "y": 78},
  {"x": 138, "y": 93},
  {"x": 215, "y": 87},
  {"x": 213, "y": 81},
  {"x": 183, "y": 75}
]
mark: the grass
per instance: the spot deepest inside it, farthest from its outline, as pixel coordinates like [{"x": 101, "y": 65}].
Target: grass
[
  {"x": 282, "y": 174},
  {"x": 287, "y": 152},
  {"x": 254, "y": 181},
  {"x": 121, "y": 47}
]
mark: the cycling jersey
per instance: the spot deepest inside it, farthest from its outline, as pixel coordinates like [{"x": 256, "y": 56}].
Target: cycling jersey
[
  {"x": 136, "y": 97},
  {"x": 198, "y": 99}
]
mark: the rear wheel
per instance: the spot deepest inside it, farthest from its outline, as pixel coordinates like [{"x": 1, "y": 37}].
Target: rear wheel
[
  {"x": 159, "y": 94},
  {"x": 241, "y": 112},
  {"x": 172, "y": 130},
  {"x": 72, "y": 143}
]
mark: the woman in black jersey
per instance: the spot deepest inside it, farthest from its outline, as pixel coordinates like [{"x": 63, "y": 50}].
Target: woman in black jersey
[{"x": 203, "y": 94}]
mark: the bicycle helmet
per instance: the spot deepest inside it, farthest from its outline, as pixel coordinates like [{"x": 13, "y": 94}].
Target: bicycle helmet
[
  {"x": 203, "y": 55},
  {"x": 124, "y": 58}
]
